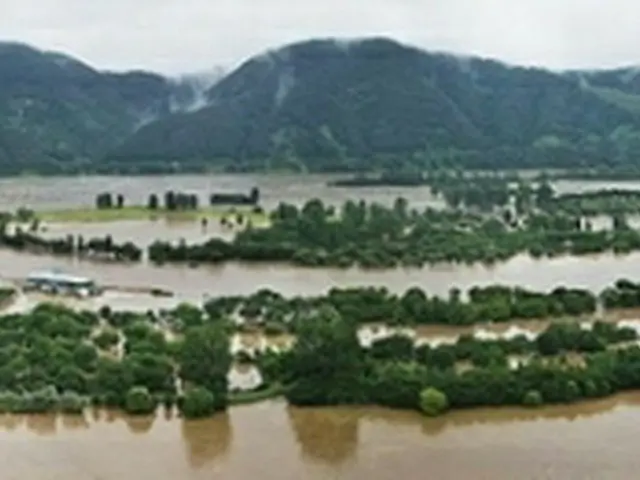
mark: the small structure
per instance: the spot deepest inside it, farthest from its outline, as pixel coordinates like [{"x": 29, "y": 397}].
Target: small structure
[{"x": 61, "y": 283}]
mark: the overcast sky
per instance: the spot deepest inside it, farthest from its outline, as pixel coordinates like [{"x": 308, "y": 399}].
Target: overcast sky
[{"x": 175, "y": 36}]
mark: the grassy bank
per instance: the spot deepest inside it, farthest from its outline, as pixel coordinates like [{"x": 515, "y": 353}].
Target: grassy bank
[
  {"x": 242, "y": 398},
  {"x": 92, "y": 214}
]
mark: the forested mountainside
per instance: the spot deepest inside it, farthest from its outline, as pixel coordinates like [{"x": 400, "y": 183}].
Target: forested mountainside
[
  {"x": 326, "y": 105},
  {"x": 318, "y": 105},
  {"x": 58, "y": 114}
]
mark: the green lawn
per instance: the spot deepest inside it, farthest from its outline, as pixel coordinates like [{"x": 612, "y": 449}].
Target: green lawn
[{"x": 82, "y": 215}]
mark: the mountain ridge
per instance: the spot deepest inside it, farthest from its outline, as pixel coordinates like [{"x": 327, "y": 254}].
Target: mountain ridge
[
  {"x": 324, "y": 105},
  {"x": 316, "y": 105},
  {"x": 59, "y": 114}
]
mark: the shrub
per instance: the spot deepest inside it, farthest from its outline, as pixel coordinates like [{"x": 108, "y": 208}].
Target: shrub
[
  {"x": 433, "y": 402},
  {"x": 72, "y": 403},
  {"x": 198, "y": 402},
  {"x": 139, "y": 401},
  {"x": 106, "y": 339}
]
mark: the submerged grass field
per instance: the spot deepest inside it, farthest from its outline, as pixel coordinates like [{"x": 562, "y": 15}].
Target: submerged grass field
[{"x": 92, "y": 214}]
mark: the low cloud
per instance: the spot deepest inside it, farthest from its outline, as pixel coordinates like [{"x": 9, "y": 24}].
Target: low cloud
[{"x": 174, "y": 36}]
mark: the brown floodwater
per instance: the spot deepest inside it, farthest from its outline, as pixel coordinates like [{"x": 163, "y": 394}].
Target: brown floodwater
[
  {"x": 64, "y": 192},
  {"x": 194, "y": 284},
  {"x": 594, "y": 440}
]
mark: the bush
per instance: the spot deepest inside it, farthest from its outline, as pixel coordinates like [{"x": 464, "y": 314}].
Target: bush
[
  {"x": 139, "y": 401},
  {"x": 40, "y": 401},
  {"x": 533, "y": 398},
  {"x": 9, "y": 402},
  {"x": 106, "y": 339},
  {"x": 198, "y": 402},
  {"x": 72, "y": 403},
  {"x": 433, "y": 402}
]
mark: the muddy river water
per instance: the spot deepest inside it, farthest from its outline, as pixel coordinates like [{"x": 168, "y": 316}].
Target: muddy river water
[
  {"x": 271, "y": 441},
  {"x": 595, "y": 440}
]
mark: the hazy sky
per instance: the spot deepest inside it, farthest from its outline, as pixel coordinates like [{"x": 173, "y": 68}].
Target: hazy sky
[{"x": 175, "y": 36}]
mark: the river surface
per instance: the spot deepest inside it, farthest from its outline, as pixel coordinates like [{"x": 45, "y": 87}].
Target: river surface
[
  {"x": 195, "y": 284},
  {"x": 65, "y": 192},
  {"x": 595, "y": 440}
]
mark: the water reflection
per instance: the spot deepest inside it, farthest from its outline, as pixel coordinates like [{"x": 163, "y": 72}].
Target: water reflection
[
  {"x": 74, "y": 422},
  {"x": 139, "y": 424},
  {"x": 274, "y": 442},
  {"x": 328, "y": 436},
  {"x": 206, "y": 441},
  {"x": 42, "y": 425}
]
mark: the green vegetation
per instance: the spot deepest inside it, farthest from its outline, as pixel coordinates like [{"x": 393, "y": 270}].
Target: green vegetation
[
  {"x": 433, "y": 402},
  {"x": 327, "y": 366},
  {"x": 407, "y": 110},
  {"x": 264, "y": 392},
  {"x": 52, "y": 360},
  {"x": 386, "y": 179},
  {"x": 375, "y": 236},
  {"x": 363, "y": 305},
  {"x": 57, "y": 359},
  {"x": 139, "y": 401},
  {"x": 104, "y": 248},
  {"x": 198, "y": 402},
  {"x": 488, "y": 218},
  {"x": 58, "y": 115},
  {"x": 619, "y": 173},
  {"x": 600, "y": 202}
]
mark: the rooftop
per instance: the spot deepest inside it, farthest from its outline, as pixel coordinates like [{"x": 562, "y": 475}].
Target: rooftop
[{"x": 57, "y": 277}]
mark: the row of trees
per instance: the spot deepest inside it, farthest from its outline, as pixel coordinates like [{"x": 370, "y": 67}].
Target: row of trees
[
  {"x": 486, "y": 192},
  {"x": 173, "y": 200},
  {"x": 105, "y": 201},
  {"x": 599, "y": 202},
  {"x": 375, "y": 236},
  {"x": 95, "y": 247},
  {"x": 366, "y": 305}
]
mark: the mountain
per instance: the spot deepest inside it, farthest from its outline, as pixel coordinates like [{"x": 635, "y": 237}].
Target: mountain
[
  {"x": 317, "y": 105},
  {"x": 330, "y": 105},
  {"x": 58, "y": 114}
]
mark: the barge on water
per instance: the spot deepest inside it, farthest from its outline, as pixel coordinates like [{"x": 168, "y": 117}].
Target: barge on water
[{"x": 60, "y": 283}]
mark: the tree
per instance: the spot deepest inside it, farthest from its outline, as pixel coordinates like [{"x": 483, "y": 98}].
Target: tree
[
  {"x": 205, "y": 359},
  {"x": 433, "y": 402},
  {"x": 170, "y": 200},
  {"x": 153, "y": 203},
  {"x": 254, "y": 195},
  {"x": 104, "y": 200},
  {"x": 120, "y": 200},
  {"x": 139, "y": 401},
  {"x": 198, "y": 402},
  {"x": 326, "y": 363}
]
